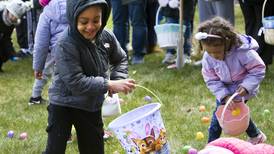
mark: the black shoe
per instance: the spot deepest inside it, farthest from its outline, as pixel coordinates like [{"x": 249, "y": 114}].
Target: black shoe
[{"x": 36, "y": 100}]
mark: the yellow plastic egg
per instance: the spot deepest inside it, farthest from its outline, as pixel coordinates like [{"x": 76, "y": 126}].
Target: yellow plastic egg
[
  {"x": 236, "y": 112},
  {"x": 200, "y": 136}
]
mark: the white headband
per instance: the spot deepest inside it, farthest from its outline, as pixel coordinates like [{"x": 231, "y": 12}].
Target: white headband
[{"x": 203, "y": 35}]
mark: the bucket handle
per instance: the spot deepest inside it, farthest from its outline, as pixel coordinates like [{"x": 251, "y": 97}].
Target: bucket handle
[
  {"x": 226, "y": 105},
  {"x": 139, "y": 86},
  {"x": 157, "y": 15},
  {"x": 263, "y": 10}
]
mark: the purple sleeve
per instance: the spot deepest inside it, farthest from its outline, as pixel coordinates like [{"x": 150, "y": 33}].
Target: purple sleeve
[
  {"x": 42, "y": 42},
  {"x": 256, "y": 70}
]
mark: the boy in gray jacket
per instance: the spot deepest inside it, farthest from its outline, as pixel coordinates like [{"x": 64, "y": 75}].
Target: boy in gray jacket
[{"x": 84, "y": 55}]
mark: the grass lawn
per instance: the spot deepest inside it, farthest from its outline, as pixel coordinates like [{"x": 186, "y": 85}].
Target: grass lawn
[{"x": 181, "y": 91}]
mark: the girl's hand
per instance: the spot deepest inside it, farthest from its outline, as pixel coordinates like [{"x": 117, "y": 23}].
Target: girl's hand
[
  {"x": 231, "y": 106},
  {"x": 241, "y": 91},
  {"x": 125, "y": 86}
]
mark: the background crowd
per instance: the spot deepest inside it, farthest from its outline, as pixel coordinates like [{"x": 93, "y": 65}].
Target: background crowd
[{"x": 138, "y": 18}]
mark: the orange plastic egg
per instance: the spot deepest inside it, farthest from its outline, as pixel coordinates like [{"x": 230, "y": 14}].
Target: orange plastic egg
[{"x": 205, "y": 120}]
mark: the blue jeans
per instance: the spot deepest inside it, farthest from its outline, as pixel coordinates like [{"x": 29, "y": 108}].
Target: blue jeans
[
  {"x": 215, "y": 130},
  {"x": 151, "y": 9},
  {"x": 187, "y": 36},
  {"x": 136, "y": 13}
]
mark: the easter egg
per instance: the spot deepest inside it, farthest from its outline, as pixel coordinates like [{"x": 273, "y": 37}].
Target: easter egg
[
  {"x": 205, "y": 120},
  {"x": 202, "y": 108},
  {"x": 266, "y": 113},
  {"x": 148, "y": 98},
  {"x": 236, "y": 112},
  {"x": 199, "y": 136},
  {"x": 185, "y": 149},
  {"x": 23, "y": 136},
  {"x": 192, "y": 151},
  {"x": 10, "y": 134}
]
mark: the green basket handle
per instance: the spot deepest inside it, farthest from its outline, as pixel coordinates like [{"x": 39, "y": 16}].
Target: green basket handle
[{"x": 139, "y": 86}]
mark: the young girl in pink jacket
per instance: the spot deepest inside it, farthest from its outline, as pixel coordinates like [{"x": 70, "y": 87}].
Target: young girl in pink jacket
[{"x": 230, "y": 64}]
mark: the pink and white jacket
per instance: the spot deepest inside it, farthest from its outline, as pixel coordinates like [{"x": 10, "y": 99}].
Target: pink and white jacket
[
  {"x": 242, "y": 66},
  {"x": 44, "y": 2},
  {"x": 238, "y": 146}
]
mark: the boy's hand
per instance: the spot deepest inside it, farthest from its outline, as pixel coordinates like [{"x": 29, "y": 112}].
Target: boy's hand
[{"x": 124, "y": 86}]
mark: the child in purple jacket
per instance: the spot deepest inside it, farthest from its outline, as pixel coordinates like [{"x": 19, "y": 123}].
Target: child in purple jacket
[
  {"x": 51, "y": 24},
  {"x": 230, "y": 64}
]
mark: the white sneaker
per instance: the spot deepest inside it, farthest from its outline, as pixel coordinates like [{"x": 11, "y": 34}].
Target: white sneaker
[
  {"x": 169, "y": 58},
  {"x": 261, "y": 138},
  {"x": 187, "y": 59}
]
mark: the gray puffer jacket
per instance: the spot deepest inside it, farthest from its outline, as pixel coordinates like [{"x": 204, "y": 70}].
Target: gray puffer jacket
[{"x": 82, "y": 67}]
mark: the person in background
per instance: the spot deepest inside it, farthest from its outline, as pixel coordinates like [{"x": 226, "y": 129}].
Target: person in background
[
  {"x": 9, "y": 18},
  {"x": 230, "y": 64},
  {"x": 151, "y": 10},
  {"x": 32, "y": 20},
  {"x": 252, "y": 12},
  {"x": 170, "y": 10},
  {"x": 89, "y": 62},
  {"x": 22, "y": 37},
  {"x": 51, "y": 24},
  {"x": 211, "y": 8},
  {"x": 133, "y": 12}
]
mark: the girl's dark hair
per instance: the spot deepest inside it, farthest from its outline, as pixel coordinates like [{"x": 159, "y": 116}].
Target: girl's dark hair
[{"x": 221, "y": 27}]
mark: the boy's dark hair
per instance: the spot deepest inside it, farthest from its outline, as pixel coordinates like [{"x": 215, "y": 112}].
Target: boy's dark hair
[{"x": 221, "y": 27}]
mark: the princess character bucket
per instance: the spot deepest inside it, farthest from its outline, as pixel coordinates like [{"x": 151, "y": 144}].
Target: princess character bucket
[
  {"x": 234, "y": 122},
  {"x": 141, "y": 130}
]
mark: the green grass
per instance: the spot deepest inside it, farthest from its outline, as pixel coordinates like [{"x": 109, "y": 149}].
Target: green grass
[{"x": 181, "y": 91}]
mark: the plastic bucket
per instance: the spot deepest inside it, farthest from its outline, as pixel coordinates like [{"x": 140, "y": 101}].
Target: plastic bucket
[
  {"x": 232, "y": 124},
  {"x": 268, "y": 23},
  {"x": 141, "y": 130},
  {"x": 167, "y": 33}
]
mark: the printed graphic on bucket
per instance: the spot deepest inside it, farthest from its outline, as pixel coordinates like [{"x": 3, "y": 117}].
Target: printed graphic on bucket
[{"x": 141, "y": 130}]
